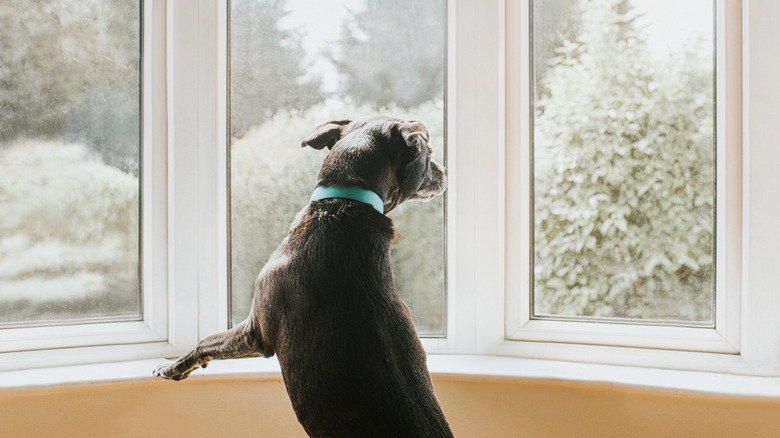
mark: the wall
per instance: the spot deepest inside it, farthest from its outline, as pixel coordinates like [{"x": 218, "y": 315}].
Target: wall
[{"x": 200, "y": 407}]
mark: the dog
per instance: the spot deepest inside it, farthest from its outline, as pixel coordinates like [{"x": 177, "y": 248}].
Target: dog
[{"x": 326, "y": 304}]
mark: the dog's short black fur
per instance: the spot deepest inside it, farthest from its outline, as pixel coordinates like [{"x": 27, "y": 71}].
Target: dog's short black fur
[{"x": 326, "y": 304}]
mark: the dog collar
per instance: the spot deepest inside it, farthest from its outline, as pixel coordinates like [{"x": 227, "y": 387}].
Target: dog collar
[{"x": 355, "y": 193}]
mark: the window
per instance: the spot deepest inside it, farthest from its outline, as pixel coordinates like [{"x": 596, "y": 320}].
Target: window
[
  {"x": 610, "y": 152},
  {"x": 189, "y": 110},
  {"x": 70, "y": 162},
  {"x": 623, "y": 161},
  {"x": 298, "y": 64},
  {"x": 82, "y": 183}
]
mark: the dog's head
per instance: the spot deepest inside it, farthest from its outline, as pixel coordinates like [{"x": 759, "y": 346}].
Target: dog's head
[{"x": 392, "y": 157}]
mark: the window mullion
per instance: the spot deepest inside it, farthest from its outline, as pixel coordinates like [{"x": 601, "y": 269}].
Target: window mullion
[{"x": 183, "y": 173}]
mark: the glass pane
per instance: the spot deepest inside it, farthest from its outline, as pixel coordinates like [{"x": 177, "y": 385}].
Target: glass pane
[
  {"x": 623, "y": 159},
  {"x": 69, "y": 160},
  {"x": 296, "y": 64}
]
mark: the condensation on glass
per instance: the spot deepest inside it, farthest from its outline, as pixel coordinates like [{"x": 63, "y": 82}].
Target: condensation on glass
[
  {"x": 623, "y": 160},
  {"x": 298, "y": 63},
  {"x": 69, "y": 161}
]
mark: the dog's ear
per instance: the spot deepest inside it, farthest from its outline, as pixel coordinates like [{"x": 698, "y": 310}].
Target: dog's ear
[
  {"x": 326, "y": 134},
  {"x": 412, "y": 172},
  {"x": 416, "y": 136}
]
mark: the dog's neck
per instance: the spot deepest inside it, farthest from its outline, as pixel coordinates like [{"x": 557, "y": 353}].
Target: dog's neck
[{"x": 349, "y": 192}]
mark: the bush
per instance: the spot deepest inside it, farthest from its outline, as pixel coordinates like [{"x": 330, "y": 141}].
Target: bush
[
  {"x": 69, "y": 245},
  {"x": 623, "y": 168}
]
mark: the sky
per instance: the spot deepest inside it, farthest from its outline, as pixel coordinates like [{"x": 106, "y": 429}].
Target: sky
[
  {"x": 321, "y": 19},
  {"x": 321, "y": 23},
  {"x": 669, "y": 24}
]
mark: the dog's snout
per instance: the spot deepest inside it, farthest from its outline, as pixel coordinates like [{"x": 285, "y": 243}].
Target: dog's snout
[
  {"x": 439, "y": 176},
  {"x": 434, "y": 184}
]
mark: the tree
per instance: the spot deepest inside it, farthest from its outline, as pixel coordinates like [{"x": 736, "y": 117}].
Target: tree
[
  {"x": 266, "y": 65},
  {"x": 623, "y": 153},
  {"x": 70, "y": 70},
  {"x": 555, "y": 22},
  {"x": 386, "y": 60}
]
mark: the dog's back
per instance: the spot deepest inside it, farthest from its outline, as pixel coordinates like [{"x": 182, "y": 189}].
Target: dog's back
[
  {"x": 351, "y": 360},
  {"x": 326, "y": 303}
]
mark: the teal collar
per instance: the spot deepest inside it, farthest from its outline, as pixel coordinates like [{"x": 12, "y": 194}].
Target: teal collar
[{"x": 354, "y": 193}]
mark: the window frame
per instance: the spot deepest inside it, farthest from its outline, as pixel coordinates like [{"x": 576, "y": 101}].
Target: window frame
[
  {"x": 185, "y": 205},
  {"x": 744, "y": 340},
  {"x": 74, "y": 342},
  {"x": 520, "y": 325}
]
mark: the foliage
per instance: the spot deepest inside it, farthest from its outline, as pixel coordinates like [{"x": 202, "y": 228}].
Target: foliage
[
  {"x": 272, "y": 178},
  {"x": 623, "y": 178},
  {"x": 70, "y": 69},
  {"x": 392, "y": 53},
  {"x": 554, "y": 23},
  {"x": 268, "y": 74},
  {"x": 68, "y": 234}
]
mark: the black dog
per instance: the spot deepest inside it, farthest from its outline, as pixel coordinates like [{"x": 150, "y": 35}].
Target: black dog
[{"x": 325, "y": 302}]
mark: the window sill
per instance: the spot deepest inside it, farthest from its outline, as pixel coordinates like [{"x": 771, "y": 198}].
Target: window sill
[{"x": 465, "y": 367}]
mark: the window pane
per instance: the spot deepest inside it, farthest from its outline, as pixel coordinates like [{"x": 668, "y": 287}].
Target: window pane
[
  {"x": 69, "y": 160},
  {"x": 623, "y": 159},
  {"x": 300, "y": 63}
]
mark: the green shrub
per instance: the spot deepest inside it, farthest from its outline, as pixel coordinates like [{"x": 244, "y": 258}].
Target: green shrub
[
  {"x": 623, "y": 178},
  {"x": 68, "y": 234}
]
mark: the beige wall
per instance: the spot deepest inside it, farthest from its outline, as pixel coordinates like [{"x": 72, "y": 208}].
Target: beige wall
[{"x": 475, "y": 408}]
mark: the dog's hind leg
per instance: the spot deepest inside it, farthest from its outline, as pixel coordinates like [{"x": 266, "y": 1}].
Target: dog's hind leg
[{"x": 241, "y": 341}]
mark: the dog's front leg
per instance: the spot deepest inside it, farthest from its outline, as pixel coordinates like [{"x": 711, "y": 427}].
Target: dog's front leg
[{"x": 241, "y": 341}]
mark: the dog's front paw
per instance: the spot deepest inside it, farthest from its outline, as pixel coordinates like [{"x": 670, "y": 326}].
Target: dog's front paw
[{"x": 171, "y": 371}]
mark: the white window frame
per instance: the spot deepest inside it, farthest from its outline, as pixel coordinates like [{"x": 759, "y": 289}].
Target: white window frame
[
  {"x": 724, "y": 337},
  {"x": 185, "y": 205},
  {"x": 86, "y": 342},
  {"x": 183, "y": 225},
  {"x": 491, "y": 166}
]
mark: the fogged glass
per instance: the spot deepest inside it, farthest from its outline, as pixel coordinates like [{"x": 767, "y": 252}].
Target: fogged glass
[
  {"x": 300, "y": 63},
  {"x": 69, "y": 149},
  {"x": 623, "y": 159}
]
